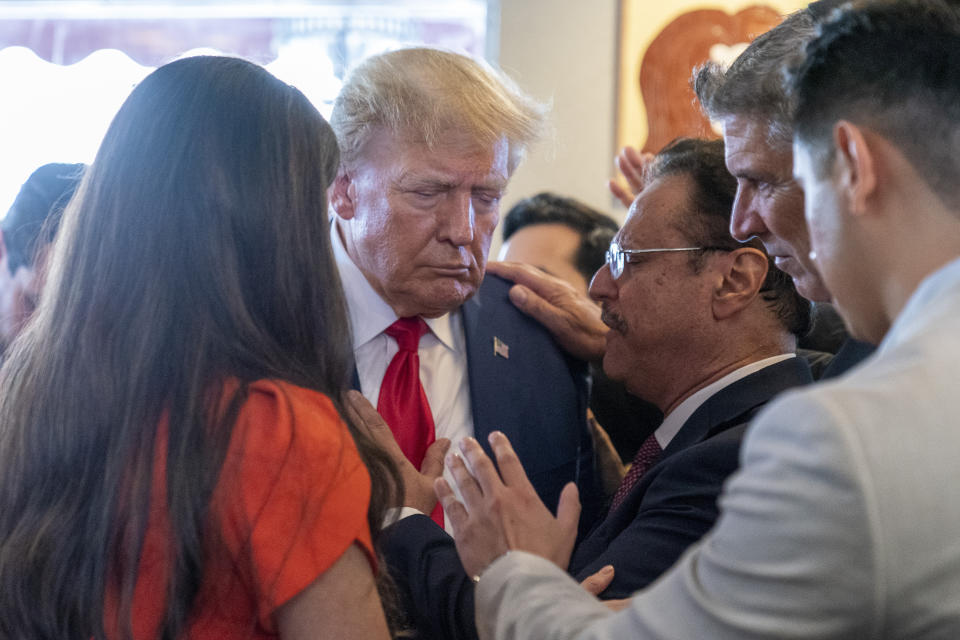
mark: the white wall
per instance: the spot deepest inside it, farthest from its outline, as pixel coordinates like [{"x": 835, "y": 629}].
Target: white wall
[{"x": 565, "y": 51}]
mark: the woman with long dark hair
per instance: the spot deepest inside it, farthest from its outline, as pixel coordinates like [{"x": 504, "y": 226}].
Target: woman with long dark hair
[{"x": 175, "y": 458}]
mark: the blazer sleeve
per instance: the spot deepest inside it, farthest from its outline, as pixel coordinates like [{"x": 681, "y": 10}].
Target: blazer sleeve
[{"x": 433, "y": 587}]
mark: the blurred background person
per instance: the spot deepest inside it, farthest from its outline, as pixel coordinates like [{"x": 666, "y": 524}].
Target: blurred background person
[
  {"x": 25, "y": 235},
  {"x": 562, "y": 236},
  {"x": 174, "y": 461}
]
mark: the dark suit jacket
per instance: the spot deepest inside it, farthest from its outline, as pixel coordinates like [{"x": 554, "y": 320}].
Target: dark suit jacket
[
  {"x": 675, "y": 502},
  {"x": 851, "y": 353},
  {"x": 537, "y": 396},
  {"x": 673, "y": 506},
  {"x": 531, "y": 391}
]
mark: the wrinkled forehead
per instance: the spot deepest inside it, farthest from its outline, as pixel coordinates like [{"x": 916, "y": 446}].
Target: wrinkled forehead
[
  {"x": 754, "y": 145},
  {"x": 657, "y": 214},
  {"x": 447, "y": 142}
]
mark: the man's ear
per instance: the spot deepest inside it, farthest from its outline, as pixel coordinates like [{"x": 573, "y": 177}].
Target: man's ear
[
  {"x": 856, "y": 166},
  {"x": 742, "y": 277},
  {"x": 343, "y": 194}
]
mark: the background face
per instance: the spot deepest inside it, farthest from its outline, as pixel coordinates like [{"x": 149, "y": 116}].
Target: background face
[
  {"x": 659, "y": 309},
  {"x": 551, "y": 247},
  {"x": 18, "y": 299},
  {"x": 769, "y": 202},
  {"x": 422, "y": 219}
]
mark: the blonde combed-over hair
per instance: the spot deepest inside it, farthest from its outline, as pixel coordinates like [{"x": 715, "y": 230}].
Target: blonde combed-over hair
[{"x": 426, "y": 95}]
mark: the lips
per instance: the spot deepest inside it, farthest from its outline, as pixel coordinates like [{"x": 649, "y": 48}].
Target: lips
[{"x": 451, "y": 270}]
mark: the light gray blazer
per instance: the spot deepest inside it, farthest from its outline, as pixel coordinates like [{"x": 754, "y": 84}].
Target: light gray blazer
[{"x": 844, "y": 521}]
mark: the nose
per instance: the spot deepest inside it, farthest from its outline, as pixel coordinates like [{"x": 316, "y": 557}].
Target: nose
[
  {"x": 458, "y": 220},
  {"x": 746, "y": 222},
  {"x": 602, "y": 286}
]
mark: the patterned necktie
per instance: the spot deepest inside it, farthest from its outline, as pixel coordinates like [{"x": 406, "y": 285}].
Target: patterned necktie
[
  {"x": 647, "y": 455},
  {"x": 402, "y": 401}
]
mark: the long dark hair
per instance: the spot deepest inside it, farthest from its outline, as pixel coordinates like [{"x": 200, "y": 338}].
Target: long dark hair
[{"x": 196, "y": 251}]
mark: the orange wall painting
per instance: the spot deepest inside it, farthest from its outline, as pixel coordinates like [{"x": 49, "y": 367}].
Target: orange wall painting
[{"x": 655, "y": 101}]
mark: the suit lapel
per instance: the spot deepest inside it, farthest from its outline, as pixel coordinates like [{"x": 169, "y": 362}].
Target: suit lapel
[
  {"x": 735, "y": 404},
  {"x": 478, "y": 365}
]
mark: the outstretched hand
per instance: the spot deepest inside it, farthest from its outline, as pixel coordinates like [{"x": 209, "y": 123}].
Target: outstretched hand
[
  {"x": 417, "y": 484},
  {"x": 632, "y": 165},
  {"x": 572, "y": 318},
  {"x": 501, "y": 515}
]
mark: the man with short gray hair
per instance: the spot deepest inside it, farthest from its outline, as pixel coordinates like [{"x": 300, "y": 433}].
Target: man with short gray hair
[{"x": 749, "y": 99}]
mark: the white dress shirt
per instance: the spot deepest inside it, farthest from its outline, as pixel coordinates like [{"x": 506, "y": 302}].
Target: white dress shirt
[
  {"x": 443, "y": 353},
  {"x": 843, "y": 521}
]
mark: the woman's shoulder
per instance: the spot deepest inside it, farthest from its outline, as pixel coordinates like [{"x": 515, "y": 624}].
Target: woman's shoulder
[{"x": 277, "y": 416}]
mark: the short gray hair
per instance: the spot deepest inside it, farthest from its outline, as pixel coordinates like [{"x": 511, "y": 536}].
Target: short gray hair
[
  {"x": 425, "y": 93},
  {"x": 753, "y": 85}
]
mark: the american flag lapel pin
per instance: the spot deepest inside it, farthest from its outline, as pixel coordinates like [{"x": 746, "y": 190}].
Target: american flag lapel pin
[{"x": 500, "y": 348}]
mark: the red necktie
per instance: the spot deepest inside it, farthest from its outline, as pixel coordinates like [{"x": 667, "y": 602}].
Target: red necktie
[
  {"x": 647, "y": 455},
  {"x": 402, "y": 402}
]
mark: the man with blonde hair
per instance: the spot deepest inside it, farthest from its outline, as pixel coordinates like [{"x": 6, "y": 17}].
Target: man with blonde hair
[{"x": 429, "y": 140}]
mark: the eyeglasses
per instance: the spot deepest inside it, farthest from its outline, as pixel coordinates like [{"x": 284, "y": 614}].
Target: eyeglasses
[{"x": 618, "y": 257}]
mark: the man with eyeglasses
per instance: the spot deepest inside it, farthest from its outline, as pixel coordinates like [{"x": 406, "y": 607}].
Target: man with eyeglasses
[{"x": 703, "y": 327}]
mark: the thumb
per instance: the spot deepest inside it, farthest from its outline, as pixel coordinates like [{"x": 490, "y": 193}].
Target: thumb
[
  {"x": 533, "y": 305},
  {"x": 568, "y": 511},
  {"x": 596, "y": 583},
  {"x": 432, "y": 466}
]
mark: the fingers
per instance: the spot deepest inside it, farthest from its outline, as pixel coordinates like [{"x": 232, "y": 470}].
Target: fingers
[
  {"x": 529, "y": 276},
  {"x": 511, "y": 470},
  {"x": 453, "y": 509},
  {"x": 484, "y": 473},
  {"x": 596, "y": 583},
  {"x": 365, "y": 417},
  {"x": 621, "y": 194},
  {"x": 537, "y": 308},
  {"x": 568, "y": 511},
  {"x": 574, "y": 321},
  {"x": 432, "y": 466},
  {"x": 632, "y": 164},
  {"x": 466, "y": 483}
]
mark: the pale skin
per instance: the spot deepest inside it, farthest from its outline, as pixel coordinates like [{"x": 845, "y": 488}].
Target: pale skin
[
  {"x": 417, "y": 221},
  {"x": 769, "y": 202},
  {"x": 877, "y": 228}
]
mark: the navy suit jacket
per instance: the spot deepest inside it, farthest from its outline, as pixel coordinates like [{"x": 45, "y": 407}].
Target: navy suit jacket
[
  {"x": 675, "y": 502},
  {"x": 672, "y": 507},
  {"x": 534, "y": 393},
  {"x": 529, "y": 389}
]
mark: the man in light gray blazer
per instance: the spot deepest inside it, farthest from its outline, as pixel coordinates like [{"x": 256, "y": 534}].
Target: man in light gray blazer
[{"x": 843, "y": 522}]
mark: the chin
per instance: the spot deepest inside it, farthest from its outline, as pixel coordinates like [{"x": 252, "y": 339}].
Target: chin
[
  {"x": 812, "y": 288},
  {"x": 446, "y": 299}
]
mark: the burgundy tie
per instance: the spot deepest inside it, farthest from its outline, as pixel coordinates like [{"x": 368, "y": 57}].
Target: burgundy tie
[
  {"x": 402, "y": 402},
  {"x": 647, "y": 455}
]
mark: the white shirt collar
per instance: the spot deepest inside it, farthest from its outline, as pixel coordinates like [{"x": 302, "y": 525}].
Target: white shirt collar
[
  {"x": 370, "y": 315},
  {"x": 674, "y": 420}
]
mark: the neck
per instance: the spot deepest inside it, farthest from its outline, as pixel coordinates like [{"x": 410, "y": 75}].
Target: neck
[
  {"x": 719, "y": 366},
  {"x": 927, "y": 241}
]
